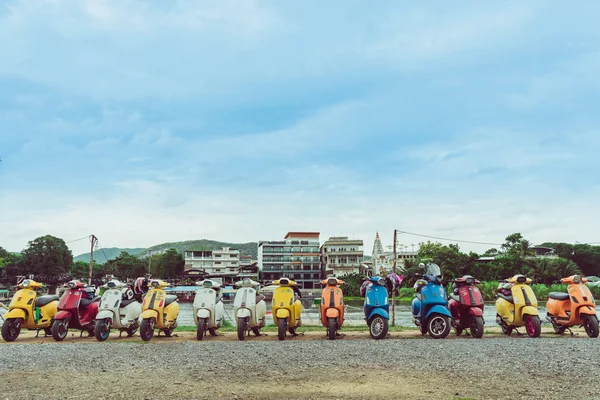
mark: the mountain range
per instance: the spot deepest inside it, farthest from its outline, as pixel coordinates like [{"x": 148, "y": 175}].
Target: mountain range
[{"x": 104, "y": 254}]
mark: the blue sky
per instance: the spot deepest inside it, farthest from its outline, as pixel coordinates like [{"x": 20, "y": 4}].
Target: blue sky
[{"x": 145, "y": 122}]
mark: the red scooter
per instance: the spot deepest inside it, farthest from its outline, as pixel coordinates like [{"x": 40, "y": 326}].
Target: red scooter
[
  {"x": 77, "y": 309},
  {"x": 466, "y": 306}
]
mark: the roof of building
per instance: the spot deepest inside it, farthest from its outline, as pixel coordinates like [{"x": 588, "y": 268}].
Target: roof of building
[
  {"x": 345, "y": 241},
  {"x": 302, "y": 235}
]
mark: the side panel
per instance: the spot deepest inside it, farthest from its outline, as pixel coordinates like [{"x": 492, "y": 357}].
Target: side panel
[
  {"x": 506, "y": 310},
  {"x": 70, "y": 299}
]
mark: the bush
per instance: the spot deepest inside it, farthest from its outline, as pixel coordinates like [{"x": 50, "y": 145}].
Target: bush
[
  {"x": 541, "y": 291},
  {"x": 489, "y": 290}
]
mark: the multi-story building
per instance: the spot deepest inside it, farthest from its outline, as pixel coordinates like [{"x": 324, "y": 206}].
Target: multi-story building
[
  {"x": 224, "y": 263},
  {"x": 341, "y": 256},
  {"x": 296, "y": 257},
  {"x": 384, "y": 260}
]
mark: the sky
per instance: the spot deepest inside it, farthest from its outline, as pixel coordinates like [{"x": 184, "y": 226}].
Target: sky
[{"x": 145, "y": 122}]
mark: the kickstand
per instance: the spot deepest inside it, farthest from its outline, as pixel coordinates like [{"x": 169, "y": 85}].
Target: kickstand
[
  {"x": 518, "y": 333},
  {"x": 570, "y": 331},
  {"x": 80, "y": 333},
  {"x": 120, "y": 333},
  {"x": 37, "y": 333}
]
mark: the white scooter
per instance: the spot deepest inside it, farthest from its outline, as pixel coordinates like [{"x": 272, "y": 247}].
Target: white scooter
[
  {"x": 118, "y": 309},
  {"x": 208, "y": 308},
  {"x": 249, "y": 308}
]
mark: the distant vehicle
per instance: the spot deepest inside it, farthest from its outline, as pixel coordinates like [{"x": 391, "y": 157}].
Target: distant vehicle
[{"x": 592, "y": 281}]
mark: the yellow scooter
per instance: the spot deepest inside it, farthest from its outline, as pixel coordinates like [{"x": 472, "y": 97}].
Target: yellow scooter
[
  {"x": 286, "y": 308},
  {"x": 516, "y": 306},
  {"x": 28, "y": 310},
  {"x": 159, "y": 311}
]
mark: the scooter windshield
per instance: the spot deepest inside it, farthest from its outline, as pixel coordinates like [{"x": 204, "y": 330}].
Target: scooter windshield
[{"x": 433, "y": 270}]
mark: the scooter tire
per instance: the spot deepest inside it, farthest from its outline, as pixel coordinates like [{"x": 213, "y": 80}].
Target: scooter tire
[
  {"x": 331, "y": 328},
  {"x": 168, "y": 332},
  {"x": 147, "y": 329},
  {"x": 60, "y": 329},
  {"x": 132, "y": 330},
  {"x": 559, "y": 329},
  {"x": 458, "y": 331},
  {"x": 102, "y": 329},
  {"x": 438, "y": 326},
  {"x": 201, "y": 330},
  {"x": 590, "y": 325},
  {"x": 506, "y": 330},
  {"x": 477, "y": 327},
  {"x": 281, "y": 328},
  {"x": 242, "y": 328},
  {"x": 533, "y": 326},
  {"x": 11, "y": 330},
  {"x": 378, "y": 327}
]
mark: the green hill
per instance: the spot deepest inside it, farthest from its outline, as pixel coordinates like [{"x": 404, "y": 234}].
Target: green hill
[
  {"x": 101, "y": 256},
  {"x": 248, "y": 249}
]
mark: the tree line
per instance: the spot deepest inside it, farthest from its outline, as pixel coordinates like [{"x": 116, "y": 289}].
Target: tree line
[
  {"x": 50, "y": 260},
  {"x": 515, "y": 256}
]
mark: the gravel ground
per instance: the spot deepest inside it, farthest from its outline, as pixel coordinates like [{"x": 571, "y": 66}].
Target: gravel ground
[{"x": 420, "y": 368}]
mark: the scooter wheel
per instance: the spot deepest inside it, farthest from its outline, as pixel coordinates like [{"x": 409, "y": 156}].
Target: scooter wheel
[
  {"x": 242, "y": 328},
  {"x": 378, "y": 327},
  {"x": 591, "y": 326},
  {"x": 256, "y": 331},
  {"x": 60, "y": 329},
  {"x": 102, "y": 329},
  {"x": 168, "y": 332},
  {"x": 331, "y": 328},
  {"x": 200, "y": 330},
  {"x": 438, "y": 326},
  {"x": 533, "y": 326},
  {"x": 559, "y": 329},
  {"x": 506, "y": 330},
  {"x": 147, "y": 329},
  {"x": 281, "y": 328},
  {"x": 477, "y": 327},
  {"x": 213, "y": 332},
  {"x": 11, "y": 330}
]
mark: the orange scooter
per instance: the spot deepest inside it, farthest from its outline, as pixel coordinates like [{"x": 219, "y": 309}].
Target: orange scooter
[
  {"x": 332, "y": 306},
  {"x": 577, "y": 307}
]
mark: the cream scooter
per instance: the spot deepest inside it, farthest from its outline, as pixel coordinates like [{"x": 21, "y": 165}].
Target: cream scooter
[
  {"x": 118, "y": 309},
  {"x": 249, "y": 308},
  {"x": 208, "y": 308}
]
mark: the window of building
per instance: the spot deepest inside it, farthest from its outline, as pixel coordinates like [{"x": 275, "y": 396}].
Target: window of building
[
  {"x": 217, "y": 269},
  {"x": 217, "y": 262},
  {"x": 217, "y": 255}
]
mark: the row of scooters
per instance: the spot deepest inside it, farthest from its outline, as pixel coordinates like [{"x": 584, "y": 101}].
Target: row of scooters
[{"x": 145, "y": 305}]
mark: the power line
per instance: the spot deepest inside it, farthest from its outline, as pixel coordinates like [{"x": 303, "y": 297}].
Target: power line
[
  {"x": 77, "y": 240},
  {"x": 447, "y": 239}
]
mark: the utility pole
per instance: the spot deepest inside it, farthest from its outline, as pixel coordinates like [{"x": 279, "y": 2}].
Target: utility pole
[
  {"x": 93, "y": 240},
  {"x": 394, "y": 292}
]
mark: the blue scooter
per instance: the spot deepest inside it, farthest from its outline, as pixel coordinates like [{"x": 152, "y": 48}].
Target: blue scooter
[
  {"x": 430, "y": 305},
  {"x": 376, "y": 306}
]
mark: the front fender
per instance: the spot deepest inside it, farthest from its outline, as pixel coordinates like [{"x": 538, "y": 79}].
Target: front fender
[
  {"x": 16, "y": 313},
  {"x": 378, "y": 311},
  {"x": 529, "y": 310},
  {"x": 332, "y": 313},
  {"x": 150, "y": 314},
  {"x": 104, "y": 314},
  {"x": 63, "y": 314},
  {"x": 282, "y": 313},
  {"x": 475, "y": 311},
  {"x": 438, "y": 309},
  {"x": 203, "y": 313},
  {"x": 582, "y": 310},
  {"x": 244, "y": 313}
]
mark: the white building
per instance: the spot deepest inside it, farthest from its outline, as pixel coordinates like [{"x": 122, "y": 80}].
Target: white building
[
  {"x": 341, "y": 256},
  {"x": 384, "y": 260},
  {"x": 224, "y": 262}
]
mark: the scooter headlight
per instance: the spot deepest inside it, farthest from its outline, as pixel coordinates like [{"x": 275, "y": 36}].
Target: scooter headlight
[
  {"x": 207, "y": 284},
  {"x": 155, "y": 284},
  {"x": 72, "y": 285},
  {"x": 25, "y": 283},
  {"x": 577, "y": 279},
  {"x": 522, "y": 279},
  {"x": 332, "y": 282},
  {"x": 380, "y": 281},
  {"x": 110, "y": 284},
  {"x": 469, "y": 281}
]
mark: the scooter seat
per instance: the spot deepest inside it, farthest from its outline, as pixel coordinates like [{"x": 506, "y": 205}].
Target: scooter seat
[
  {"x": 507, "y": 298},
  {"x": 125, "y": 303},
  {"x": 558, "y": 296},
  {"x": 43, "y": 300},
  {"x": 169, "y": 299}
]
